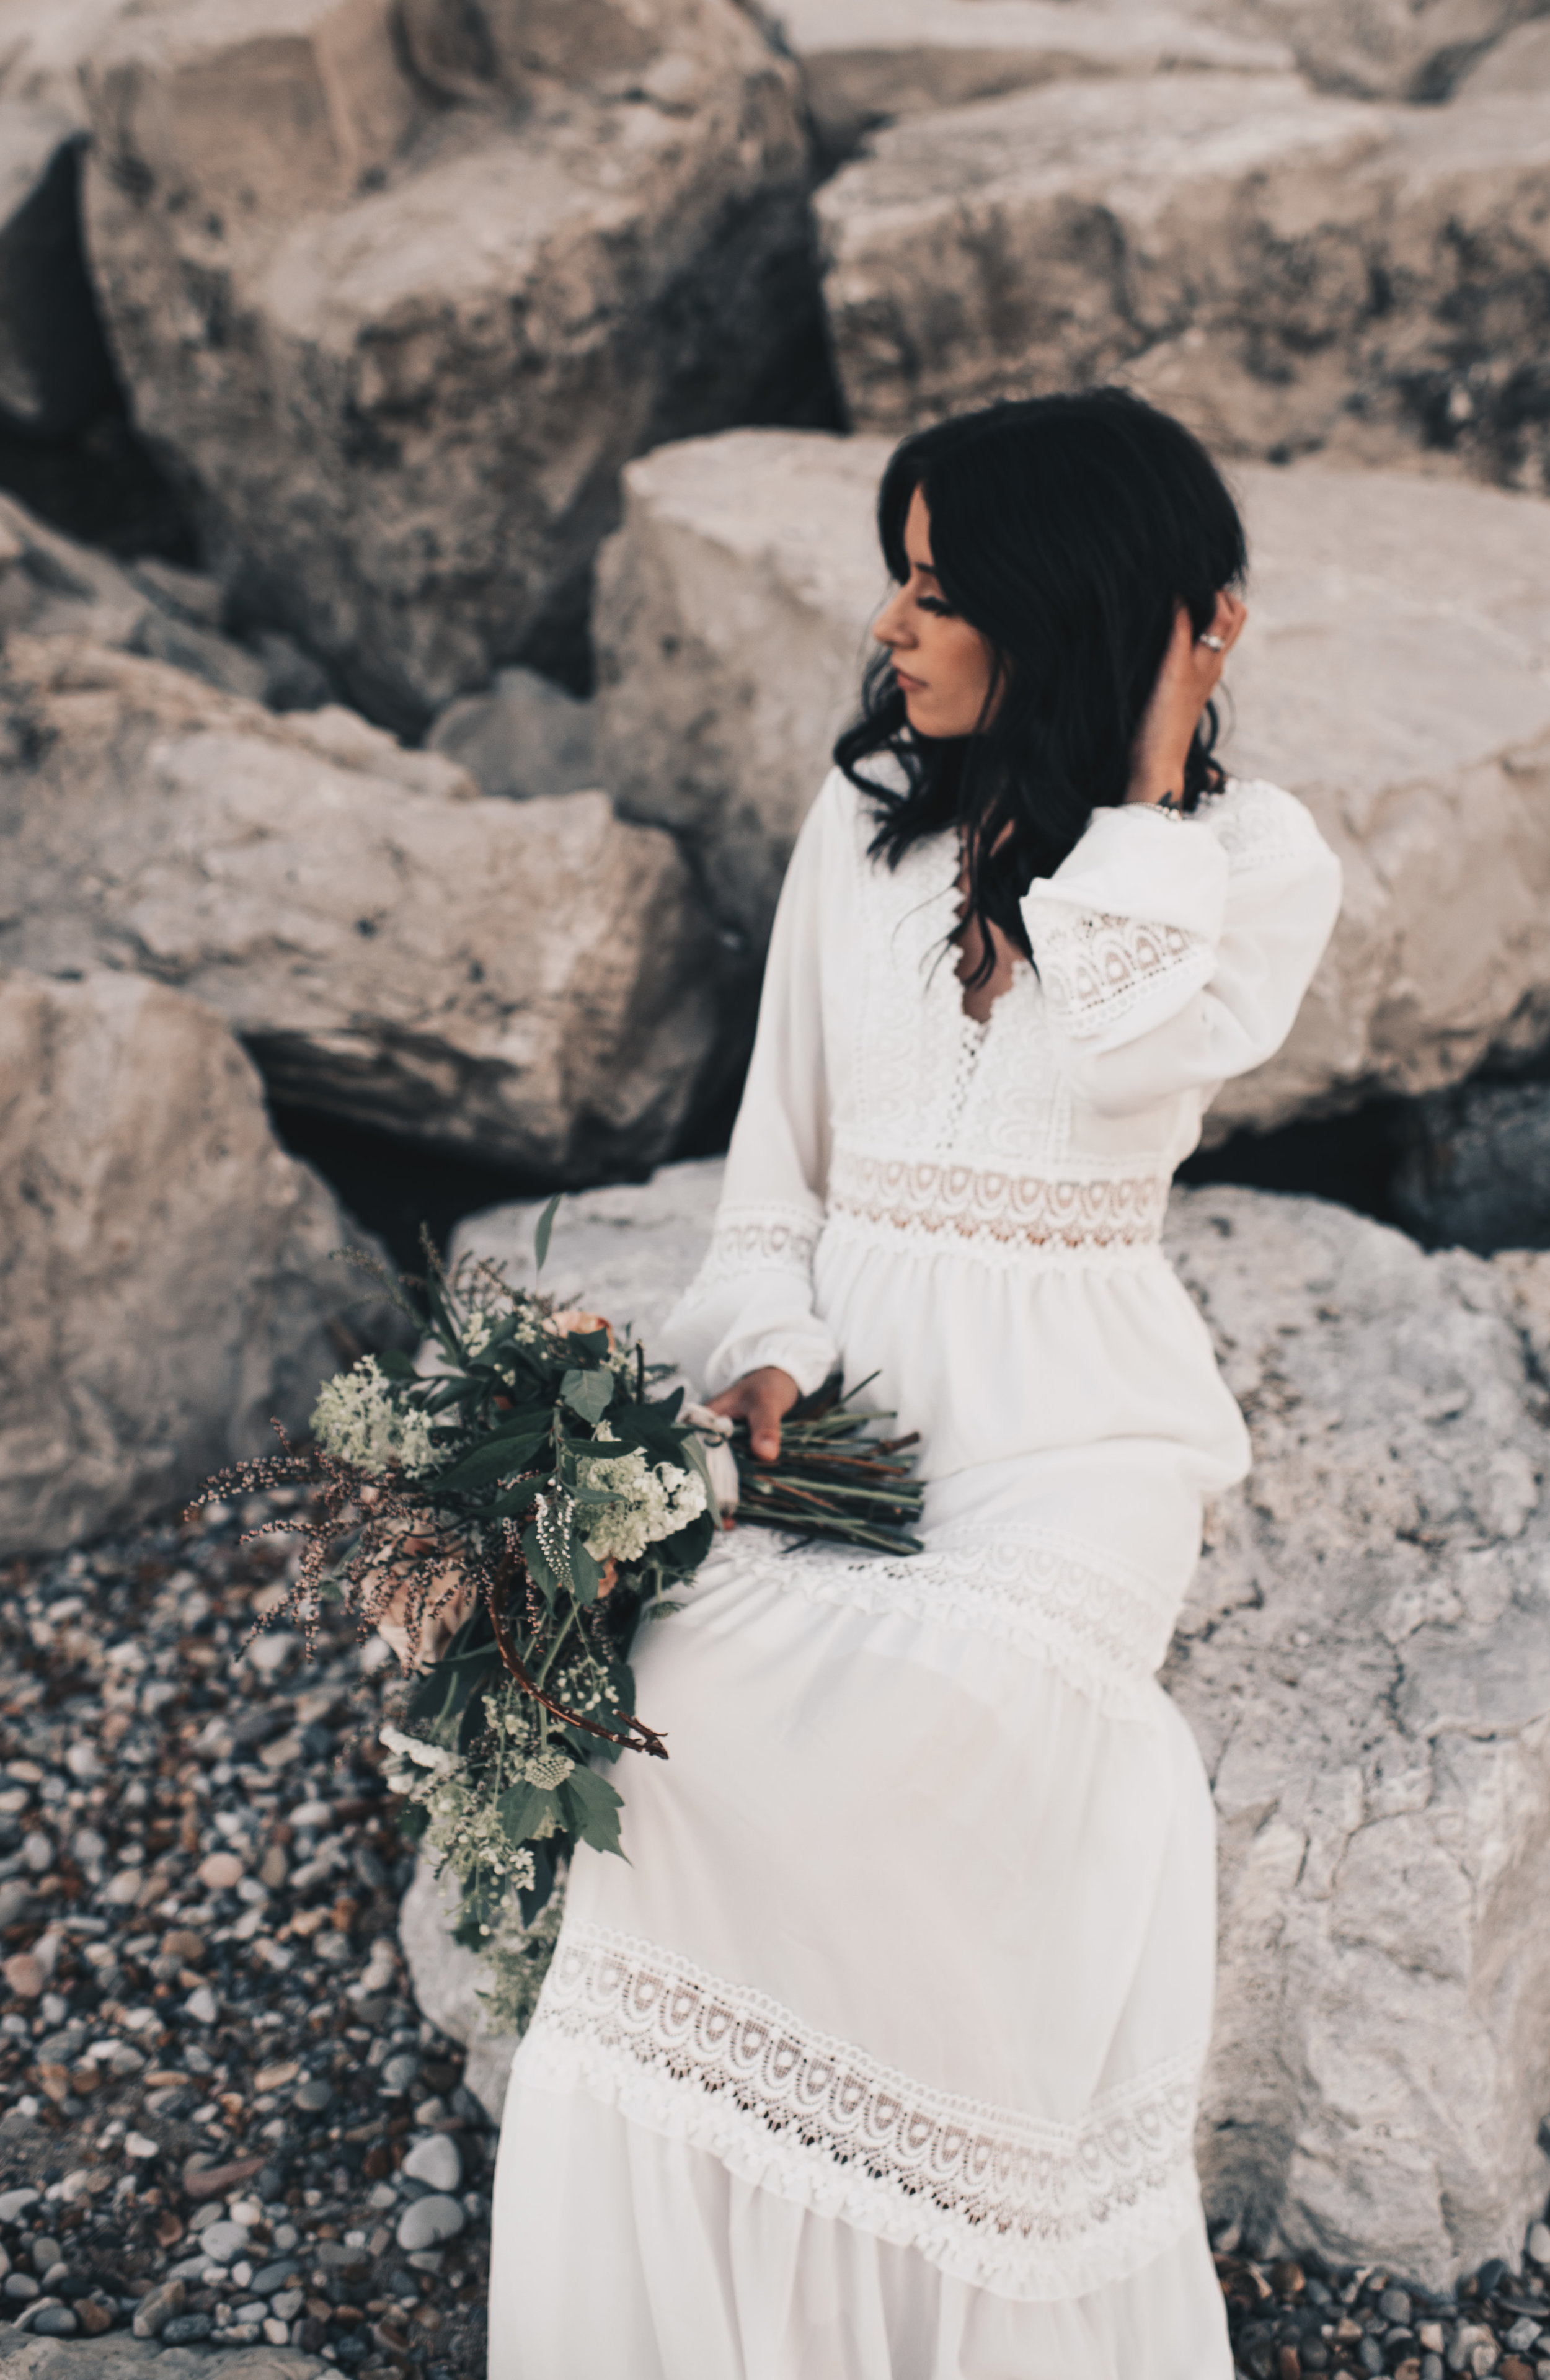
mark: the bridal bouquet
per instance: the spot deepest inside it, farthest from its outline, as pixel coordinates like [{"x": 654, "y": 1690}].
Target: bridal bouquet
[{"x": 504, "y": 1510}]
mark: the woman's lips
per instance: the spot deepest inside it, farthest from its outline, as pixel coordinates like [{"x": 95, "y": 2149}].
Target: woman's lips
[{"x": 908, "y": 684}]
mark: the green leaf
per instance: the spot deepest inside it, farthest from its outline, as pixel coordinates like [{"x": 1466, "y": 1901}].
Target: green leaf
[
  {"x": 588, "y": 1393},
  {"x": 522, "y": 1810},
  {"x": 545, "y": 1225},
  {"x": 395, "y": 1365},
  {"x": 591, "y": 1808},
  {"x": 497, "y": 1458},
  {"x": 515, "y": 1500},
  {"x": 585, "y": 1572}
]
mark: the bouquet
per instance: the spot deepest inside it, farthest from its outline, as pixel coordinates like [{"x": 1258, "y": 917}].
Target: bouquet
[{"x": 504, "y": 1510}]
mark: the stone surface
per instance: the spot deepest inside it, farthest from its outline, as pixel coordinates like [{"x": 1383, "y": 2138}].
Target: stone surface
[
  {"x": 55, "y": 587},
  {"x": 1286, "y": 270},
  {"x": 169, "y": 1277},
  {"x": 866, "y": 62},
  {"x": 526, "y": 981},
  {"x": 447, "y": 1982},
  {"x": 55, "y": 367},
  {"x": 1394, "y": 674},
  {"x": 1365, "y": 1659},
  {"x": 731, "y": 630},
  {"x": 1365, "y": 1662},
  {"x": 1387, "y": 48},
  {"x": 527, "y": 736},
  {"x": 1476, "y": 1173},
  {"x": 435, "y": 2162},
  {"x": 398, "y": 329},
  {"x": 427, "y": 2221}
]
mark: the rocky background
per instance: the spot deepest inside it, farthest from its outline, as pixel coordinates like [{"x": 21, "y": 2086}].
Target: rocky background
[{"x": 439, "y": 440}]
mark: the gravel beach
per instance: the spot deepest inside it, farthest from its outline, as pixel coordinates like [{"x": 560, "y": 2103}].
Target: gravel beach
[
  {"x": 221, "y": 2117},
  {"x": 223, "y": 2123}
]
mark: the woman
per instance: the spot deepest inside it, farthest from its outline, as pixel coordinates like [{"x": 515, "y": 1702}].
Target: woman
[{"x": 880, "y": 2061}]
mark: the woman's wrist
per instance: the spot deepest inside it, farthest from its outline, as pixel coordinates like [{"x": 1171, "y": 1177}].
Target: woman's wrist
[{"x": 1156, "y": 785}]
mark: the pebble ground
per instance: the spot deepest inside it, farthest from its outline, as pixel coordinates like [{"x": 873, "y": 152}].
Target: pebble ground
[{"x": 223, "y": 2119}]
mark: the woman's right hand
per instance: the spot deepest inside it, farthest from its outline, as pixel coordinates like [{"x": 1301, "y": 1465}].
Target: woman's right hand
[{"x": 762, "y": 1399}]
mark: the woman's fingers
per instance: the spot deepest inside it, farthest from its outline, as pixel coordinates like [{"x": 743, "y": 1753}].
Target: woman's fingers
[{"x": 762, "y": 1399}]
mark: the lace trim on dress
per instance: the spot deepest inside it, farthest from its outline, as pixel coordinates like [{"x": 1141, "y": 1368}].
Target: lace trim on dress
[
  {"x": 1096, "y": 967},
  {"x": 1029, "y": 2208},
  {"x": 989, "y": 1211},
  {"x": 1258, "y": 826},
  {"x": 772, "y": 1238},
  {"x": 1101, "y": 1623}
]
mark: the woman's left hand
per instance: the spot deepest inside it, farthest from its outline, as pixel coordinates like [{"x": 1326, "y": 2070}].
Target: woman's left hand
[{"x": 1189, "y": 677}]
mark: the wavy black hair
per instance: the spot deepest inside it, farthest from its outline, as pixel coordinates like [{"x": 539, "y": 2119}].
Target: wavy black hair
[{"x": 1068, "y": 531}]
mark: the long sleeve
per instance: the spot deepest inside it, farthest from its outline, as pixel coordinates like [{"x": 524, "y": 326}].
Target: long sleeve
[
  {"x": 752, "y": 1300},
  {"x": 1175, "y": 953}
]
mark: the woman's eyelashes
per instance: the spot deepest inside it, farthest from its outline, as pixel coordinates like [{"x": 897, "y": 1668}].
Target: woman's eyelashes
[{"x": 935, "y": 604}]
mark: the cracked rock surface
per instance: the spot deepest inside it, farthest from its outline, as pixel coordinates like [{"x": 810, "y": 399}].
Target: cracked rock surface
[{"x": 1365, "y": 1656}]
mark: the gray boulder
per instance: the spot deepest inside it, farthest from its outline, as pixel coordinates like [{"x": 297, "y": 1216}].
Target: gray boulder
[
  {"x": 51, "y": 585},
  {"x": 1365, "y": 1661},
  {"x": 530, "y": 982},
  {"x": 398, "y": 309},
  {"x": 1365, "y": 1658},
  {"x": 869, "y": 62},
  {"x": 170, "y": 1281},
  {"x": 1394, "y": 674},
  {"x": 527, "y": 736},
  {"x": 1288, "y": 271},
  {"x": 1386, "y": 49},
  {"x": 1476, "y": 1170}
]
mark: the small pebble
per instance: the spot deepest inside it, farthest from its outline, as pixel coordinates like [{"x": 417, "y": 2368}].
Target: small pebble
[
  {"x": 221, "y": 1872},
  {"x": 435, "y": 2161},
  {"x": 429, "y": 2221},
  {"x": 157, "y": 2309},
  {"x": 314, "y": 2095},
  {"x": 55, "y": 2322},
  {"x": 185, "y": 2329},
  {"x": 1539, "y": 2242},
  {"x": 400, "y": 2072},
  {"x": 222, "y": 2241}
]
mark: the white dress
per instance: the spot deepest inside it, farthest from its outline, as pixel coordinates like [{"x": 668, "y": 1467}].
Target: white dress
[{"x": 880, "y": 2059}]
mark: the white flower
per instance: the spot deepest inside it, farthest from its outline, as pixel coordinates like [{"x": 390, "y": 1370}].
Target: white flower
[
  {"x": 423, "y": 1754},
  {"x": 359, "y": 1418},
  {"x": 652, "y": 1501},
  {"x": 547, "y": 1770}
]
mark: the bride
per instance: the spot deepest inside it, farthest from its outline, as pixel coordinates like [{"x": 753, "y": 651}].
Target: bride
[{"x": 880, "y": 2059}]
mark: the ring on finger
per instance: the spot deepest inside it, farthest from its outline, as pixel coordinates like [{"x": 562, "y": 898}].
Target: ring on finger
[{"x": 1212, "y": 644}]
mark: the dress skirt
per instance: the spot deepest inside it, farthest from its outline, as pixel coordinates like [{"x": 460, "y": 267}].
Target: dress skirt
[{"x": 879, "y": 2059}]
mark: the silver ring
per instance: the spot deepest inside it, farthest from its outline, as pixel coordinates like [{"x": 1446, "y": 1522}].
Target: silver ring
[{"x": 1212, "y": 644}]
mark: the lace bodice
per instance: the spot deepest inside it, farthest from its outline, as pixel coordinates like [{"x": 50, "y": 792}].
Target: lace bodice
[{"x": 1168, "y": 954}]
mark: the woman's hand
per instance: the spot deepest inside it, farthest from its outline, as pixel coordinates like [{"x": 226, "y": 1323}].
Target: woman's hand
[
  {"x": 762, "y": 1399},
  {"x": 1189, "y": 677}
]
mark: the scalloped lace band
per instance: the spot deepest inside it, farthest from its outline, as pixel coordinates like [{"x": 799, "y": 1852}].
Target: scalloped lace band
[
  {"x": 994, "y": 1212},
  {"x": 1022, "y": 2205}
]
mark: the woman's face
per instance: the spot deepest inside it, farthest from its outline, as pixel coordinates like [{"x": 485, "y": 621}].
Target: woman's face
[{"x": 943, "y": 666}]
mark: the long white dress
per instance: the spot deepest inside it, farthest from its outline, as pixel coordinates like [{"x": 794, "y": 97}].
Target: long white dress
[{"x": 880, "y": 2059}]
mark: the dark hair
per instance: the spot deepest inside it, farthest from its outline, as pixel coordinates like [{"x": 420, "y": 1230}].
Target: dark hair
[{"x": 1068, "y": 529}]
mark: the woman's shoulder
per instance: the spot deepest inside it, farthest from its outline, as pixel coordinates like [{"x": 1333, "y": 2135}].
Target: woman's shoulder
[
  {"x": 1259, "y": 824},
  {"x": 845, "y": 807}
]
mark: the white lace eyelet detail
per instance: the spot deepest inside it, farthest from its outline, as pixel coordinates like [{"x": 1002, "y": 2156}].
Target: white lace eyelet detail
[
  {"x": 1002, "y": 1216},
  {"x": 1025, "y": 2206}
]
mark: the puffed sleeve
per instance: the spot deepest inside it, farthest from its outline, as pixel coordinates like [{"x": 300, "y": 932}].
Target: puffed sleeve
[
  {"x": 751, "y": 1301},
  {"x": 1175, "y": 953}
]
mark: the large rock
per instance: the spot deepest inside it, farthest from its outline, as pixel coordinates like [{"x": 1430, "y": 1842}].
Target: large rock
[
  {"x": 731, "y": 629},
  {"x": 1394, "y": 49},
  {"x": 869, "y": 62},
  {"x": 1365, "y": 1658},
  {"x": 449, "y": 1985},
  {"x": 531, "y": 982},
  {"x": 527, "y": 736},
  {"x": 169, "y": 1282},
  {"x": 396, "y": 298},
  {"x": 1288, "y": 271},
  {"x": 55, "y": 367},
  {"x": 1395, "y": 673},
  {"x": 1474, "y": 1169}
]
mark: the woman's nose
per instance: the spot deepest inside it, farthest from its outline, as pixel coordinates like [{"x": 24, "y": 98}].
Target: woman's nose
[{"x": 888, "y": 627}]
